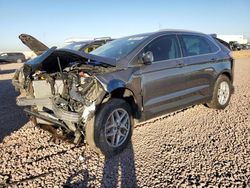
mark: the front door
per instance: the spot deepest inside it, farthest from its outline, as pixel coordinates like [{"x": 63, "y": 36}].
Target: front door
[{"x": 163, "y": 81}]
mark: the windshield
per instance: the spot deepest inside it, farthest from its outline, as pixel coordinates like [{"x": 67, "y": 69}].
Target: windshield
[
  {"x": 119, "y": 48},
  {"x": 75, "y": 46}
]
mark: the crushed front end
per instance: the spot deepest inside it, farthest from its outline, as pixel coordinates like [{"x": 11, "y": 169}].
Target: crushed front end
[
  {"x": 81, "y": 95},
  {"x": 64, "y": 97}
]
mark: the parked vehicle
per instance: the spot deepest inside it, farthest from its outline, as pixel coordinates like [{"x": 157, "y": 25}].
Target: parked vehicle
[
  {"x": 11, "y": 57},
  {"x": 235, "y": 45},
  {"x": 97, "y": 96},
  {"x": 245, "y": 46},
  {"x": 88, "y": 45}
]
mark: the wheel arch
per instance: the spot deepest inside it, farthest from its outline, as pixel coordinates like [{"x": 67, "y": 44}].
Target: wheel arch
[
  {"x": 116, "y": 88},
  {"x": 129, "y": 97},
  {"x": 227, "y": 74}
]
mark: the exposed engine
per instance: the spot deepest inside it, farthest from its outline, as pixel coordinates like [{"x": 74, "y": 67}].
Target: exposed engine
[
  {"x": 78, "y": 99},
  {"x": 66, "y": 98}
]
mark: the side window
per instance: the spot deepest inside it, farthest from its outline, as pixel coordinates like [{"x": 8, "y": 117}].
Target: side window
[
  {"x": 196, "y": 45},
  {"x": 164, "y": 48}
]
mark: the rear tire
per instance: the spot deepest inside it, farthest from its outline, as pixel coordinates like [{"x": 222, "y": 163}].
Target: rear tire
[
  {"x": 222, "y": 93},
  {"x": 19, "y": 61},
  {"x": 109, "y": 132}
]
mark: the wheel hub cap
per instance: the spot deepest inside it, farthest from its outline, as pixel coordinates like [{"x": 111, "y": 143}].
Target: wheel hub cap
[
  {"x": 223, "y": 93},
  {"x": 117, "y": 127}
]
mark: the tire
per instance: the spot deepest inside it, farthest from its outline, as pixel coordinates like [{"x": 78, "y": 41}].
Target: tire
[
  {"x": 19, "y": 61},
  {"x": 100, "y": 128},
  {"x": 222, "y": 87}
]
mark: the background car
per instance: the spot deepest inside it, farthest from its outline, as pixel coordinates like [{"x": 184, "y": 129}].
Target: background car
[
  {"x": 88, "y": 45},
  {"x": 234, "y": 45},
  {"x": 12, "y": 57},
  {"x": 245, "y": 46}
]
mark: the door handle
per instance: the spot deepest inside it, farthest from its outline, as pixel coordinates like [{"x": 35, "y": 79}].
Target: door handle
[
  {"x": 213, "y": 60},
  {"x": 180, "y": 64}
]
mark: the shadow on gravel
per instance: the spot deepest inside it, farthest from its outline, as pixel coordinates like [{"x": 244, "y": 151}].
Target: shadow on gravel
[
  {"x": 12, "y": 117},
  {"x": 118, "y": 170},
  {"x": 7, "y": 71},
  {"x": 124, "y": 163}
]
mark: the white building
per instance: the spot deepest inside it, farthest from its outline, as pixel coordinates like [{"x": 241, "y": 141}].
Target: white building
[{"x": 239, "y": 38}]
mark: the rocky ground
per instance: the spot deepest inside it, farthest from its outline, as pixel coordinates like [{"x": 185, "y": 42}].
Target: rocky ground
[{"x": 196, "y": 147}]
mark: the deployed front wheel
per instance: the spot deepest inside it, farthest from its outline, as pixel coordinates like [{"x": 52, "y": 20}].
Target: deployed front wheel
[
  {"x": 110, "y": 130},
  {"x": 222, "y": 93}
]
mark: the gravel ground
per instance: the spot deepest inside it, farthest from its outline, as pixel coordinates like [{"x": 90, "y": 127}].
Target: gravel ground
[{"x": 196, "y": 147}]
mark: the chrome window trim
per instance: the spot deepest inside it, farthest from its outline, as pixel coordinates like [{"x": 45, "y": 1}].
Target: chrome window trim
[{"x": 182, "y": 57}]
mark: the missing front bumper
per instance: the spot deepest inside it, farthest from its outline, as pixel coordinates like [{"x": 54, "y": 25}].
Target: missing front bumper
[{"x": 45, "y": 118}]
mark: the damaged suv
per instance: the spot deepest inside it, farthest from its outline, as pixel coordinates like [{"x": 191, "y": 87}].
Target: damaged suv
[{"x": 97, "y": 96}]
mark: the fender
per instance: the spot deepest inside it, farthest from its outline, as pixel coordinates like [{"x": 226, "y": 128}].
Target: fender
[{"x": 110, "y": 85}]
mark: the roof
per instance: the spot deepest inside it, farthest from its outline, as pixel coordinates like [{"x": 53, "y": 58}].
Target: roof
[
  {"x": 177, "y": 31},
  {"x": 162, "y": 31}
]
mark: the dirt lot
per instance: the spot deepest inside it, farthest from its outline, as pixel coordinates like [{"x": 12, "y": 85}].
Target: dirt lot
[
  {"x": 194, "y": 147},
  {"x": 241, "y": 54}
]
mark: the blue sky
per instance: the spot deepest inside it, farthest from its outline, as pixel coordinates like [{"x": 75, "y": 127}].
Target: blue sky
[{"x": 53, "y": 21}]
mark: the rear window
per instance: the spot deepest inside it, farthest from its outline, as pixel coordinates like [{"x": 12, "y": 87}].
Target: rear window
[
  {"x": 15, "y": 54},
  {"x": 75, "y": 46},
  {"x": 197, "y": 45},
  {"x": 223, "y": 44},
  {"x": 11, "y": 54}
]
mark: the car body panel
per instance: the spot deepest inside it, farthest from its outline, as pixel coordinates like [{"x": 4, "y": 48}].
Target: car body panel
[{"x": 186, "y": 80}]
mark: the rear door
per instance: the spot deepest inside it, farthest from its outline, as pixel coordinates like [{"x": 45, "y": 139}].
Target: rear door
[
  {"x": 162, "y": 81},
  {"x": 200, "y": 56}
]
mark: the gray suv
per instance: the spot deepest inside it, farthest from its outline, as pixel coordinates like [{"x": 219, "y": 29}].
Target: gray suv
[{"x": 97, "y": 96}]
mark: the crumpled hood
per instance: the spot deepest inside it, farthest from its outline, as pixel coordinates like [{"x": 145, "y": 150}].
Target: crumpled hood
[{"x": 48, "y": 60}]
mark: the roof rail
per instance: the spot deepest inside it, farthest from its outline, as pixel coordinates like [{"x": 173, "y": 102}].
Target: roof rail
[{"x": 102, "y": 38}]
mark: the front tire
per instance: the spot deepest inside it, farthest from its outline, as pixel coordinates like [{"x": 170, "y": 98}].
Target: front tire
[
  {"x": 222, "y": 93},
  {"x": 110, "y": 130}
]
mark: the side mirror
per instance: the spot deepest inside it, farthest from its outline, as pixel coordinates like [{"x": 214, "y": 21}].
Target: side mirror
[{"x": 147, "y": 58}]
